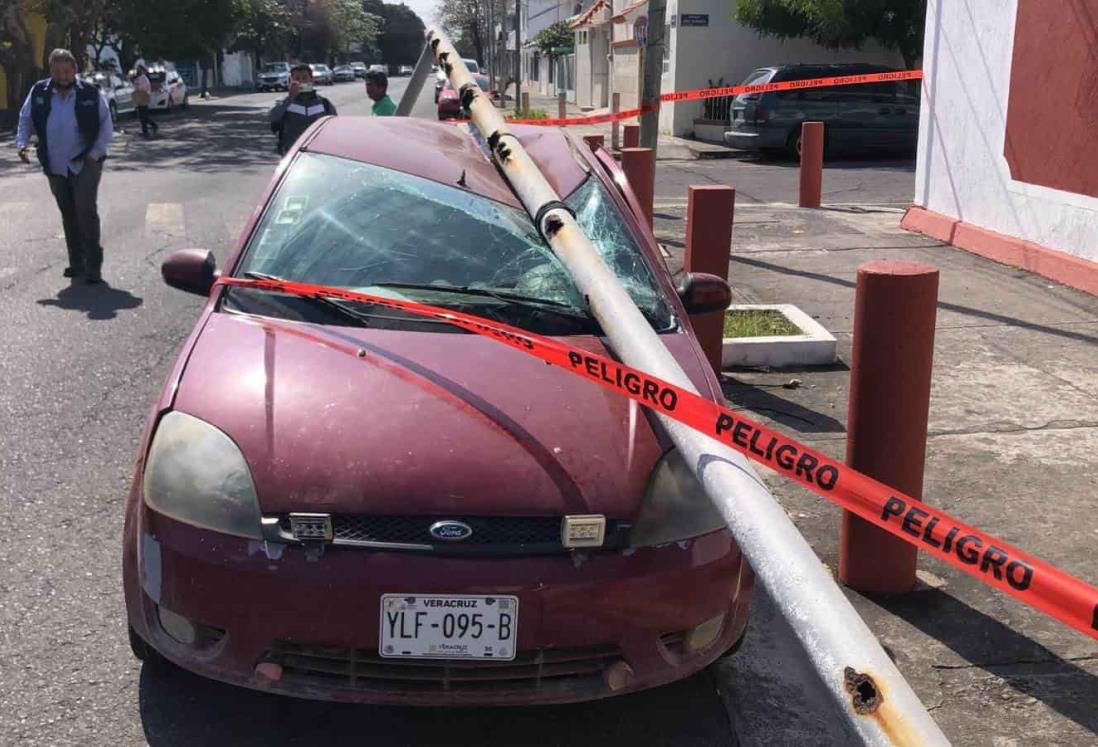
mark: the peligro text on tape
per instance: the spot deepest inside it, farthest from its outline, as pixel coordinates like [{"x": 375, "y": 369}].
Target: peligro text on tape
[
  {"x": 713, "y": 93},
  {"x": 1039, "y": 584}
]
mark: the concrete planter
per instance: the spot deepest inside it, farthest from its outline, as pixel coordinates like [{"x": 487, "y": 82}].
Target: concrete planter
[
  {"x": 710, "y": 130},
  {"x": 816, "y": 347}
]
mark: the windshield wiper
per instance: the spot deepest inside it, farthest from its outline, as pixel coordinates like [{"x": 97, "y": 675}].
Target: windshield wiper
[
  {"x": 542, "y": 304},
  {"x": 328, "y": 303}
]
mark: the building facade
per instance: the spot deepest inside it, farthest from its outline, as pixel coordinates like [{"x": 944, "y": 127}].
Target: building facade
[
  {"x": 1007, "y": 151},
  {"x": 703, "y": 46}
]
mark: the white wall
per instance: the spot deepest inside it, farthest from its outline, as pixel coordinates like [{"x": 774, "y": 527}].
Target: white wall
[
  {"x": 729, "y": 50},
  {"x": 962, "y": 171},
  {"x": 236, "y": 69}
]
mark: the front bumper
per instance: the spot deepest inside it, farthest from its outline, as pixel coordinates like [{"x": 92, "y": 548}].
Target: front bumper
[{"x": 607, "y": 624}]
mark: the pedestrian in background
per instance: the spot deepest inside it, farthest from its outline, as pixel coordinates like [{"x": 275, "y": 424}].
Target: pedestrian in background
[
  {"x": 142, "y": 94},
  {"x": 72, "y": 121},
  {"x": 377, "y": 85},
  {"x": 302, "y": 106}
]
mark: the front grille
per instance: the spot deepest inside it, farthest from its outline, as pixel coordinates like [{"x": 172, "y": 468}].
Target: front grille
[
  {"x": 572, "y": 669},
  {"x": 491, "y": 535}
]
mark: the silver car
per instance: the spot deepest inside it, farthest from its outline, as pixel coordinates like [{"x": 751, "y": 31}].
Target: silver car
[
  {"x": 273, "y": 76},
  {"x": 322, "y": 74},
  {"x": 117, "y": 90}
]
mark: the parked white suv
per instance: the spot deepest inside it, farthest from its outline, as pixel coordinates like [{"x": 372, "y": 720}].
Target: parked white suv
[{"x": 273, "y": 76}]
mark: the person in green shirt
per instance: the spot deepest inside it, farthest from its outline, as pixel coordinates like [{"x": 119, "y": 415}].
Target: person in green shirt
[{"x": 377, "y": 83}]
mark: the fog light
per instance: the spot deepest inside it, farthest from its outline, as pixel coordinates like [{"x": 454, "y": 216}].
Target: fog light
[
  {"x": 703, "y": 636},
  {"x": 618, "y": 675},
  {"x": 267, "y": 672},
  {"x": 178, "y": 627}
]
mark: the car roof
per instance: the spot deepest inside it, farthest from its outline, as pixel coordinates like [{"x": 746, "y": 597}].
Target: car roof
[{"x": 443, "y": 152}]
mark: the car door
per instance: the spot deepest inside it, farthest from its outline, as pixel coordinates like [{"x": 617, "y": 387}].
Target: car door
[
  {"x": 862, "y": 116},
  {"x": 123, "y": 94}
]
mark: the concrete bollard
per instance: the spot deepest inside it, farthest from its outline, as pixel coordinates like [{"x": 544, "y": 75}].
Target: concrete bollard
[
  {"x": 594, "y": 142},
  {"x": 812, "y": 148},
  {"x": 639, "y": 165},
  {"x": 562, "y": 106},
  {"x": 631, "y": 136},
  {"x": 895, "y": 306},
  {"x": 526, "y": 103},
  {"x": 709, "y": 214}
]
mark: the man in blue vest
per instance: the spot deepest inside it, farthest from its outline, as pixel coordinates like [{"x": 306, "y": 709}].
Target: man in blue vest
[{"x": 72, "y": 121}]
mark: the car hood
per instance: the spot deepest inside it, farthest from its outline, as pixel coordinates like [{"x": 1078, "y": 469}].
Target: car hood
[{"x": 353, "y": 420}]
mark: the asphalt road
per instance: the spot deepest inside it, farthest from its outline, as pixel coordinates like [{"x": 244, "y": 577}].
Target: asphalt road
[{"x": 79, "y": 368}]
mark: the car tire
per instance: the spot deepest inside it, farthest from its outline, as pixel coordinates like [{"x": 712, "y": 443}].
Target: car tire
[
  {"x": 148, "y": 655},
  {"x": 186, "y": 102},
  {"x": 168, "y": 109},
  {"x": 114, "y": 111},
  {"x": 793, "y": 145}
]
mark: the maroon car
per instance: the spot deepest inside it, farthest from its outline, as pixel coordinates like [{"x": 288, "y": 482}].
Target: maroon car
[
  {"x": 449, "y": 98},
  {"x": 342, "y": 501}
]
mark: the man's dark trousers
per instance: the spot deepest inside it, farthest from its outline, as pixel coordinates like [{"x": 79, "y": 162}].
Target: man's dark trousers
[{"x": 77, "y": 197}]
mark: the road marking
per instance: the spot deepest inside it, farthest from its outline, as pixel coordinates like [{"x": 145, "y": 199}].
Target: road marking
[{"x": 164, "y": 218}]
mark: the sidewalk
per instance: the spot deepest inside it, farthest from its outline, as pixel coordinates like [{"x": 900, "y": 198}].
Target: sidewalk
[
  {"x": 669, "y": 148},
  {"x": 1013, "y": 449}
]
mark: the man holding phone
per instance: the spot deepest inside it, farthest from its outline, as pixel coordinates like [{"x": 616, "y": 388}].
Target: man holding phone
[{"x": 292, "y": 115}]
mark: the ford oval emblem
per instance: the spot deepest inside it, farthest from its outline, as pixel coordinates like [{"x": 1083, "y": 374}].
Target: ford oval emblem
[{"x": 450, "y": 530}]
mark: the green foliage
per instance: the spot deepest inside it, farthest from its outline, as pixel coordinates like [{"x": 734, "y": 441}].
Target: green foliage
[
  {"x": 529, "y": 114},
  {"x": 263, "y": 27},
  {"x": 554, "y": 36},
  {"x": 841, "y": 24},
  {"x": 402, "y": 35}
]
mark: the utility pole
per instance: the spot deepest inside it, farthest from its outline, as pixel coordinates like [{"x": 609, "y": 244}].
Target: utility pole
[
  {"x": 653, "y": 73},
  {"x": 491, "y": 44},
  {"x": 518, "y": 54}
]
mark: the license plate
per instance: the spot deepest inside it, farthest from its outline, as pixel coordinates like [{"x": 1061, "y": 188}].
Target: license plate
[{"x": 448, "y": 626}]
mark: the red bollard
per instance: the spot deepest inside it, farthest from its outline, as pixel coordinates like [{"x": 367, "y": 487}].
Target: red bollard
[
  {"x": 709, "y": 212},
  {"x": 894, "y": 312},
  {"x": 594, "y": 142},
  {"x": 812, "y": 159},
  {"x": 639, "y": 165},
  {"x": 631, "y": 136}
]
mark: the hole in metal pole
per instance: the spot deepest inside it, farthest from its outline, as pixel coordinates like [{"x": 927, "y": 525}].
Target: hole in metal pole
[{"x": 863, "y": 691}]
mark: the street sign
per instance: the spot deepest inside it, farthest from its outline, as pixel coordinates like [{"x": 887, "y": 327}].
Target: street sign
[{"x": 693, "y": 19}]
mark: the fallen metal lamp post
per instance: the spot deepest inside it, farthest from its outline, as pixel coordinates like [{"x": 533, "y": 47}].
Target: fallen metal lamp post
[{"x": 879, "y": 705}]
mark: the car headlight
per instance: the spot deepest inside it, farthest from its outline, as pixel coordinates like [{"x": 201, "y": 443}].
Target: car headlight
[
  {"x": 196, "y": 474},
  {"x": 675, "y": 506}
]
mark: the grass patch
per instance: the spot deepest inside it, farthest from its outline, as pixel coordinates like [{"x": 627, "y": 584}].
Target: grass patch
[
  {"x": 530, "y": 114},
  {"x": 758, "y": 323}
]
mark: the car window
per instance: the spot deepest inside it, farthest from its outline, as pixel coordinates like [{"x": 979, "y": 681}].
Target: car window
[
  {"x": 353, "y": 225},
  {"x": 756, "y": 78}
]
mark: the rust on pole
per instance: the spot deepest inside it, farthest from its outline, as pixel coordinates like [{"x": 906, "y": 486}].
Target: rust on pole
[
  {"x": 709, "y": 214},
  {"x": 895, "y": 306}
]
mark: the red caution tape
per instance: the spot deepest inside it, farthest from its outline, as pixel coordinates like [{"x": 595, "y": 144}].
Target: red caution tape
[
  {"x": 996, "y": 563},
  {"x": 714, "y": 93}
]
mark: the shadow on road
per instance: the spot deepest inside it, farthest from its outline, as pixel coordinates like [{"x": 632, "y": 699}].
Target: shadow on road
[
  {"x": 759, "y": 398},
  {"x": 179, "y": 708},
  {"x": 208, "y": 137},
  {"x": 988, "y": 644},
  {"x": 97, "y": 301}
]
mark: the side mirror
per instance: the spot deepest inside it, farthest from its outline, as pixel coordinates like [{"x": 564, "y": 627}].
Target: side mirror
[
  {"x": 702, "y": 293},
  {"x": 191, "y": 270}
]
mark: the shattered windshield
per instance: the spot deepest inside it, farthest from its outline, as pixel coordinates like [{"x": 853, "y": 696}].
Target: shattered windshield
[{"x": 353, "y": 225}]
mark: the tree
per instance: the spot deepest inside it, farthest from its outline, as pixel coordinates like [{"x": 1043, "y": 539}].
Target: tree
[
  {"x": 841, "y": 24},
  {"x": 466, "y": 22},
  {"x": 334, "y": 27},
  {"x": 263, "y": 27},
  {"x": 402, "y": 36},
  {"x": 553, "y": 37}
]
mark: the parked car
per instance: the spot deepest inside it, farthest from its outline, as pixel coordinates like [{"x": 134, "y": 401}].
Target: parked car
[
  {"x": 449, "y": 99},
  {"x": 472, "y": 65},
  {"x": 405, "y": 70},
  {"x": 440, "y": 76},
  {"x": 340, "y": 501},
  {"x": 322, "y": 74},
  {"x": 343, "y": 74},
  {"x": 870, "y": 116},
  {"x": 359, "y": 68},
  {"x": 379, "y": 68},
  {"x": 168, "y": 89},
  {"x": 118, "y": 91},
  {"x": 273, "y": 76}
]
